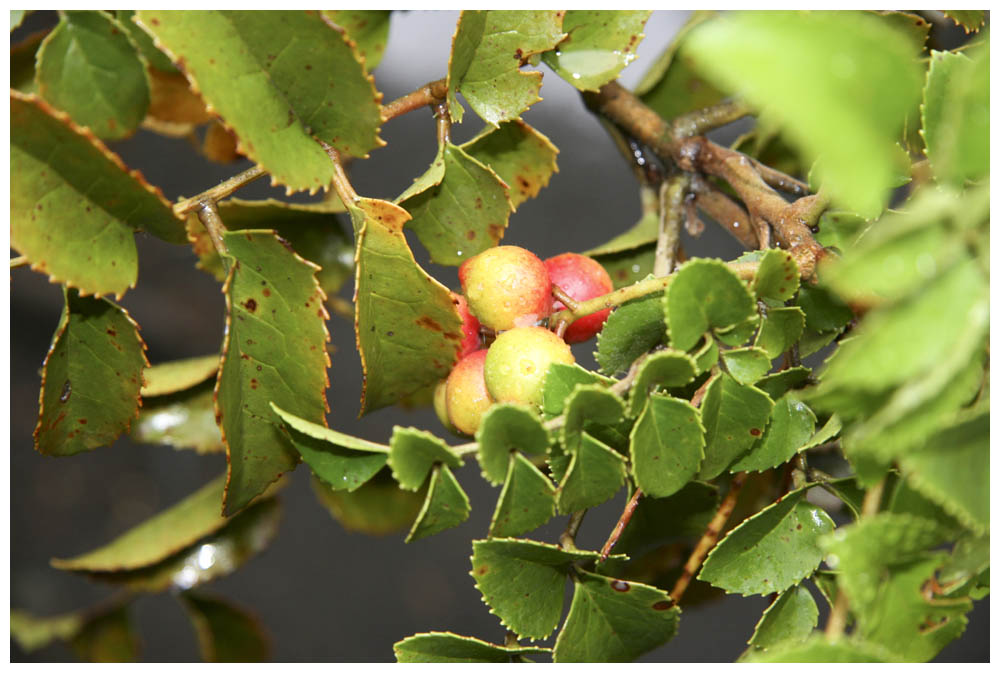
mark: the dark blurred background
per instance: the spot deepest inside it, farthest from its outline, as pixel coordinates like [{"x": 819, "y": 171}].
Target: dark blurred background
[{"x": 322, "y": 593}]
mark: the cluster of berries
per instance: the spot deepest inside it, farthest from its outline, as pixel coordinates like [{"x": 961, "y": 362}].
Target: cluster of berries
[{"x": 508, "y": 290}]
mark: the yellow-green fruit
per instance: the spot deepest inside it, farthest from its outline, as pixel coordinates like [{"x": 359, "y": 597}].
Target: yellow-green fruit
[
  {"x": 506, "y": 287},
  {"x": 466, "y": 398},
  {"x": 441, "y": 405},
  {"x": 518, "y": 360}
]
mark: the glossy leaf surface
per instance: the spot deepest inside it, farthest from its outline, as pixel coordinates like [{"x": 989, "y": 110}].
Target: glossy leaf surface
[
  {"x": 504, "y": 428},
  {"x": 734, "y": 416},
  {"x": 614, "y": 620},
  {"x": 275, "y": 351},
  {"x": 183, "y": 420},
  {"x": 446, "y": 505},
  {"x": 406, "y": 323},
  {"x": 89, "y": 68},
  {"x": 704, "y": 295},
  {"x": 770, "y": 551},
  {"x": 445, "y": 648},
  {"x": 177, "y": 375},
  {"x": 527, "y": 500},
  {"x": 91, "y": 377},
  {"x": 226, "y": 633},
  {"x": 746, "y": 365},
  {"x": 71, "y": 194},
  {"x": 600, "y": 44},
  {"x": 486, "y": 56},
  {"x": 667, "y": 446}
]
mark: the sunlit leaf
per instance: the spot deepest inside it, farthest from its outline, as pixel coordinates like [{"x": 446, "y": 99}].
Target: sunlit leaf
[
  {"x": 770, "y": 551},
  {"x": 487, "y": 52},
  {"x": 156, "y": 58},
  {"x": 446, "y": 505},
  {"x": 789, "y": 619},
  {"x": 177, "y": 375},
  {"x": 91, "y": 377},
  {"x": 600, "y": 44},
  {"x": 746, "y": 365},
  {"x": 632, "y": 329},
  {"x": 367, "y": 28},
  {"x": 377, "y": 507},
  {"x": 406, "y": 323},
  {"x": 854, "y": 109},
  {"x": 526, "y": 501},
  {"x": 412, "y": 454},
  {"x": 523, "y": 158},
  {"x": 705, "y": 294},
  {"x": 341, "y": 462},
  {"x": 436, "y": 647},
  {"x": 504, "y": 428},
  {"x": 74, "y": 205},
  {"x": 226, "y": 633},
  {"x": 89, "y": 68},
  {"x": 523, "y": 582},
  {"x": 459, "y": 209},
  {"x": 734, "y": 416},
  {"x": 299, "y": 78},
  {"x": 777, "y": 276},
  {"x": 969, "y": 19},
  {"x": 561, "y": 380},
  {"x": 667, "y": 446},
  {"x": 614, "y": 620},
  {"x": 789, "y": 430},
  {"x": 274, "y": 351},
  {"x": 594, "y": 475}
]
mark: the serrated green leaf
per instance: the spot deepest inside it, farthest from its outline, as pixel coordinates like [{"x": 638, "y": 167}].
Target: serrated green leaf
[
  {"x": 825, "y": 312},
  {"x": 175, "y": 376},
  {"x": 776, "y": 385},
  {"x": 705, "y": 294},
  {"x": 461, "y": 210},
  {"x": 841, "y": 229},
  {"x": 183, "y": 420},
  {"x": 789, "y": 430},
  {"x": 22, "y": 63},
  {"x": 226, "y": 633},
  {"x": 367, "y": 28},
  {"x": 594, "y": 475},
  {"x": 446, "y": 505},
  {"x": 910, "y": 337},
  {"x": 405, "y": 321},
  {"x": 142, "y": 40},
  {"x": 412, "y": 454},
  {"x": 818, "y": 649},
  {"x": 789, "y": 619},
  {"x": 734, "y": 416},
  {"x": 504, "y": 428},
  {"x": 241, "y": 538},
  {"x": 969, "y": 19},
  {"x": 300, "y": 79},
  {"x": 74, "y": 205},
  {"x": 589, "y": 404},
  {"x": 746, "y": 365},
  {"x": 956, "y": 115},
  {"x": 667, "y": 369},
  {"x": 614, "y": 620},
  {"x": 673, "y": 86},
  {"x": 772, "y": 550},
  {"x": 377, "y": 507},
  {"x": 16, "y": 17},
  {"x": 632, "y": 329},
  {"x": 523, "y": 582},
  {"x": 560, "y": 380},
  {"x": 779, "y": 330},
  {"x": 906, "y": 500},
  {"x": 969, "y": 558},
  {"x": 521, "y": 156},
  {"x": 777, "y": 276},
  {"x": 628, "y": 266},
  {"x": 157, "y": 538},
  {"x": 600, "y": 44},
  {"x": 707, "y": 355},
  {"x": 953, "y": 470},
  {"x": 444, "y": 648},
  {"x": 486, "y": 56},
  {"x": 107, "y": 637},
  {"x": 740, "y": 333},
  {"x": 274, "y": 351},
  {"x": 90, "y": 69},
  {"x": 856, "y": 110},
  {"x": 91, "y": 377},
  {"x": 340, "y": 467},
  {"x": 528, "y": 499},
  {"x": 313, "y": 230},
  {"x": 32, "y": 633},
  {"x": 915, "y": 26},
  {"x": 667, "y": 446},
  {"x": 914, "y": 628}
]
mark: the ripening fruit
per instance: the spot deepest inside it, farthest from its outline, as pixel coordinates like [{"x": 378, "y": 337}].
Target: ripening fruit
[
  {"x": 506, "y": 287},
  {"x": 466, "y": 398},
  {"x": 582, "y": 278},
  {"x": 518, "y": 360},
  {"x": 470, "y": 326},
  {"x": 441, "y": 406}
]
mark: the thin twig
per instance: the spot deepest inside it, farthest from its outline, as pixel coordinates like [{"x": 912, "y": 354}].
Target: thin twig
[
  {"x": 567, "y": 540},
  {"x": 709, "y": 538},
  {"x": 620, "y": 526},
  {"x": 208, "y": 213},
  {"x": 702, "y": 121},
  {"x": 443, "y": 118},
  {"x": 341, "y": 184},
  {"x": 429, "y": 94},
  {"x": 19, "y": 261},
  {"x": 717, "y": 205},
  {"x": 219, "y": 192},
  {"x": 672, "y": 194},
  {"x": 563, "y": 296}
]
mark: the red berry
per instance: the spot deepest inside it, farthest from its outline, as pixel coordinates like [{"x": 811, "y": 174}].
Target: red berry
[
  {"x": 581, "y": 278},
  {"x": 470, "y": 326}
]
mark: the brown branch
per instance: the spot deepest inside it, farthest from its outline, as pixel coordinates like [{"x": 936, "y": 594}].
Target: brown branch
[
  {"x": 567, "y": 540},
  {"x": 709, "y": 538},
  {"x": 702, "y": 121},
  {"x": 731, "y": 215},
  {"x": 620, "y": 526},
  {"x": 220, "y": 191},
  {"x": 431, "y": 93},
  {"x": 208, "y": 213},
  {"x": 672, "y": 194},
  {"x": 443, "y": 118},
  {"x": 341, "y": 184}
]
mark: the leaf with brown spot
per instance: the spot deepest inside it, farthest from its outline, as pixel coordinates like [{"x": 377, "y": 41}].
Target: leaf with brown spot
[
  {"x": 277, "y": 352},
  {"x": 91, "y": 377},
  {"x": 521, "y": 156},
  {"x": 396, "y": 300}
]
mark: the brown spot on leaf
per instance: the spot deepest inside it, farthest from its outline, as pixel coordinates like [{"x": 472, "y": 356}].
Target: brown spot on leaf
[
  {"x": 250, "y": 304},
  {"x": 82, "y": 421},
  {"x": 755, "y": 432},
  {"x": 111, "y": 332},
  {"x": 661, "y": 605},
  {"x": 428, "y": 322},
  {"x": 253, "y": 384},
  {"x": 470, "y": 234},
  {"x": 266, "y": 292},
  {"x": 482, "y": 570}
]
